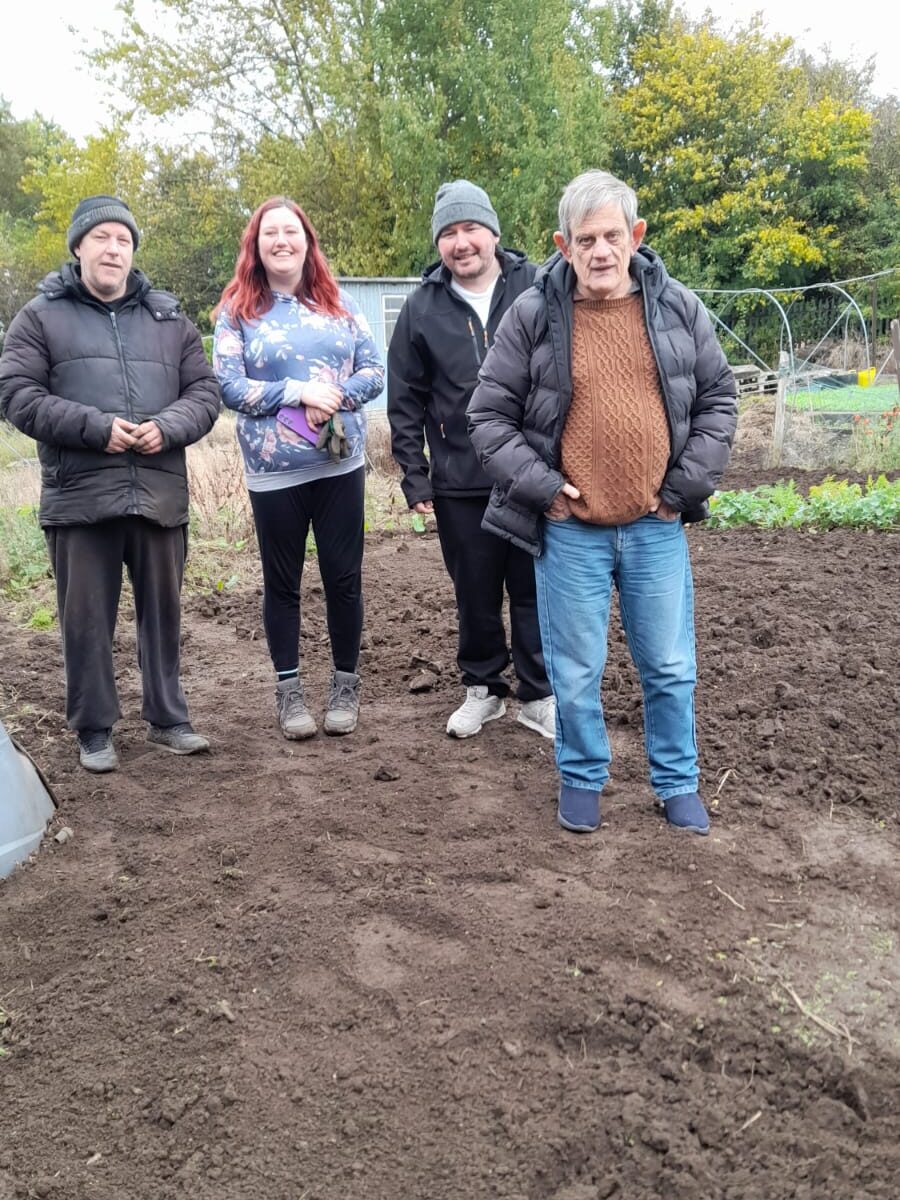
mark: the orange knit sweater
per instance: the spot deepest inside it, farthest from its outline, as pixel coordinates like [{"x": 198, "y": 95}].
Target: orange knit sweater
[{"x": 615, "y": 443}]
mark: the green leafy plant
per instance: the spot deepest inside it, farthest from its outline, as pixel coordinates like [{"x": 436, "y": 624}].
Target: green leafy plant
[
  {"x": 23, "y": 551},
  {"x": 830, "y": 505},
  {"x": 41, "y": 618}
]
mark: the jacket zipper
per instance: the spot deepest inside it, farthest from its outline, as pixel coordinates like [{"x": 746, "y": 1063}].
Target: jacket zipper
[
  {"x": 662, "y": 382},
  {"x": 132, "y": 472},
  {"x": 478, "y": 359},
  {"x": 562, "y": 339}
]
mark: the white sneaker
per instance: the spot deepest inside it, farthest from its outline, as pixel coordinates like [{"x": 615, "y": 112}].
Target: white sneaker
[
  {"x": 539, "y": 715},
  {"x": 479, "y": 706}
]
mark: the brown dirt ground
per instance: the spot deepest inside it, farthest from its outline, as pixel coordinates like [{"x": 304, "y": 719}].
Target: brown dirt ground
[{"x": 375, "y": 968}]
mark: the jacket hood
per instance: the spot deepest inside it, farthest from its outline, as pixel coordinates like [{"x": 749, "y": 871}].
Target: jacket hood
[
  {"x": 67, "y": 282},
  {"x": 646, "y": 267},
  {"x": 510, "y": 260}
]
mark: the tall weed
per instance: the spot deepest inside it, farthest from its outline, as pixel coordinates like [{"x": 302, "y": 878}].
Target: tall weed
[{"x": 875, "y": 441}]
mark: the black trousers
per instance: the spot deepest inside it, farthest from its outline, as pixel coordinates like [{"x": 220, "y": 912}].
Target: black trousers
[
  {"x": 335, "y": 507},
  {"x": 87, "y": 561},
  {"x": 480, "y": 565}
]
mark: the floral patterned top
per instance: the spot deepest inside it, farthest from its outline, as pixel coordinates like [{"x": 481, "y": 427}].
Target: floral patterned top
[{"x": 260, "y": 365}]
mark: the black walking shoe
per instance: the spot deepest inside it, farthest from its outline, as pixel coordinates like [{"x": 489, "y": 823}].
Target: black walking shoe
[
  {"x": 177, "y": 739},
  {"x": 96, "y": 751}
]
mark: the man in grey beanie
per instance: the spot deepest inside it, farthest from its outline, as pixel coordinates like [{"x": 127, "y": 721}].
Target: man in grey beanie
[
  {"x": 110, "y": 379},
  {"x": 440, "y": 340}
]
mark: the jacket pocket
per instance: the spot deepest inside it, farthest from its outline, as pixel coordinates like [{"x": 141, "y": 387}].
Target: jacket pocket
[{"x": 51, "y": 470}]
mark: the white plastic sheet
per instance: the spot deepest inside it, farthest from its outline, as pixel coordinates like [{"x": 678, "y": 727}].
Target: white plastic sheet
[{"x": 26, "y": 805}]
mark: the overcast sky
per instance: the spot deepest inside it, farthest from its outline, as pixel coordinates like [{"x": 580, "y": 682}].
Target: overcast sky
[{"x": 42, "y": 69}]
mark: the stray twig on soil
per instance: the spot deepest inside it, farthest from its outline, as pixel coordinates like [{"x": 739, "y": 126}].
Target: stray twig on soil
[
  {"x": 749, "y": 1121},
  {"x": 835, "y": 1030},
  {"x": 730, "y": 899},
  {"x": 723, "y": 781}
]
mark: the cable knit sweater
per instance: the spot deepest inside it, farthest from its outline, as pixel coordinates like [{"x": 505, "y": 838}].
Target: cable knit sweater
[{"x": 615, "y": 442}]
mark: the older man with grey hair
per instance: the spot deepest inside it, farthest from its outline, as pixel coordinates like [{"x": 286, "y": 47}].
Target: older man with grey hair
[{"x": 605, "y": 414}]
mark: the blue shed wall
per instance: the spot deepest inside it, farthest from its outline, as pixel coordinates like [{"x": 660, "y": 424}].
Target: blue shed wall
[{"x": 370, "y": 295}]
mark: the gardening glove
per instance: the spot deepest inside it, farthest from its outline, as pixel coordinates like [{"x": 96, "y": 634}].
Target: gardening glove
[{"x": 333, "y": 439}]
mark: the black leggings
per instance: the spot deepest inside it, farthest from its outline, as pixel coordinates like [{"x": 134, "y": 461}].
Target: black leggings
[{"x": 335, "y": 507}]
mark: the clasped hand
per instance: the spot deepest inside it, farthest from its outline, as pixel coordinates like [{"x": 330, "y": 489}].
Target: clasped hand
[
  {"x": 145, "y": 438},
  {"x": 321, "y": 401}
]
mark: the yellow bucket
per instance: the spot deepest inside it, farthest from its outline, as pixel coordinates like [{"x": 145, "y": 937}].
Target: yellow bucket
[{"x": 866, "y": 378}]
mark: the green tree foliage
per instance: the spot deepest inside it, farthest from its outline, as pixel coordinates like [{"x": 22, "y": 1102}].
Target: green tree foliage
[
  {"x": 18, "y": 272},
  {"x": 361, "y": 109},
  {"x": 185, "y": 207},
  {"x": 20, "y": 141},
  {"x": 747, "y": 179},
  {"x": 66, "y": 173},
  {"x": 21, "y": 265},
  {"x": 754, "y": 163}
]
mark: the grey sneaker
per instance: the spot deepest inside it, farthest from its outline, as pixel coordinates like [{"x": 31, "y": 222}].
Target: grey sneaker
[
  {"x": 294, "y": 717},
  {"x": 177, "y": 739},
  {"x": 96, "y": 751},
  {"x": 479, "y": 706},
  {"x": 343, "y": 703},
  {"x": 539, "y": 715}
]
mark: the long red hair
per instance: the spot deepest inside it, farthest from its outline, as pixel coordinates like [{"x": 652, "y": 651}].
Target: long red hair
[{"x": 248, "y": 294}]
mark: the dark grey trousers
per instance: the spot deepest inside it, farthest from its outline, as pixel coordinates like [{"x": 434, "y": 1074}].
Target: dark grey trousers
[{"x": 87, "y": 561}]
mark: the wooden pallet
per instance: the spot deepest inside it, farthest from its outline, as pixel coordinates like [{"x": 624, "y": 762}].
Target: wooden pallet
[{"x": 752, "y": 381}]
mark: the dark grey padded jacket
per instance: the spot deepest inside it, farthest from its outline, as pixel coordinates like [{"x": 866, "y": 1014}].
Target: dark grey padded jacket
[
  {"x": 517, "y": 412},
  {"x": 70, "y": 365}
]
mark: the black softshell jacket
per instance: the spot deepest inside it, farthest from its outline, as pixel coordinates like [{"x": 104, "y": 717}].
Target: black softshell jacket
[
  {"x": 436, "y": 351},
  {"x": 70, "y": 365}
]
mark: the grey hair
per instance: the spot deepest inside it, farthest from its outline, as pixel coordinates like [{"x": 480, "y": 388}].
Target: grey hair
[{"x": 590, "y": 191}]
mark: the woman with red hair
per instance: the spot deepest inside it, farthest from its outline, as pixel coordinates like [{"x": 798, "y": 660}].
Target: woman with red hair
[{"x": 296, "y": 361}]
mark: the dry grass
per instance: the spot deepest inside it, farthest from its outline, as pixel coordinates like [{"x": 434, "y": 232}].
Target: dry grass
[
  {"x": 219, "y": 501},
  {"x": 378, "y": 446},
  {"x": 20, "y": 485}
]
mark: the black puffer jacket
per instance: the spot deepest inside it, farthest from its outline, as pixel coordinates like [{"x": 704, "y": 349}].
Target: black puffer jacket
[
  {"x": 436, "y": 350},
  {"x": 518, "y": 410},
  {"x": 70, "y": 365}
]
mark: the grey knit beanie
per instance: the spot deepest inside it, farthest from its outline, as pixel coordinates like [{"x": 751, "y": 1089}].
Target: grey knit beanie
[
  {"x": 462, "y": 201},
  {"x": 94, "y": 211}
]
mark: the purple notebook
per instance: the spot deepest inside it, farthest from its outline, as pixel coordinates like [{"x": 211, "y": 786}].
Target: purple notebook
[{"x": 295, "y": 419}]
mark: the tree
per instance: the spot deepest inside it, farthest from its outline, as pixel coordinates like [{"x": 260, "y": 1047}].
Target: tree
[
  {"x": 361, "y": 109},
  {"x": 185, "y": 206},
  {"x": 21, "y": 141},
  {"x": 744, "y": 176},
  {"x": 21, "y": 265}
]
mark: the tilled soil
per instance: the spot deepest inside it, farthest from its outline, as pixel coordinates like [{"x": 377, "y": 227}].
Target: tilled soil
[{"x": 374, "y": 967}]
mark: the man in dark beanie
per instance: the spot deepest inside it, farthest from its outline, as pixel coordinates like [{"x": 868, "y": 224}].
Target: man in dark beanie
[
  {"x": 110, "y": 379},
  {"x": 94, "y": 211},
  {"x": 441, "y": 338}
]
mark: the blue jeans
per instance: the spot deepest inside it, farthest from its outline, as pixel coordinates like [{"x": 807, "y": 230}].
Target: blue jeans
[{"x": 648, "y": 562}]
